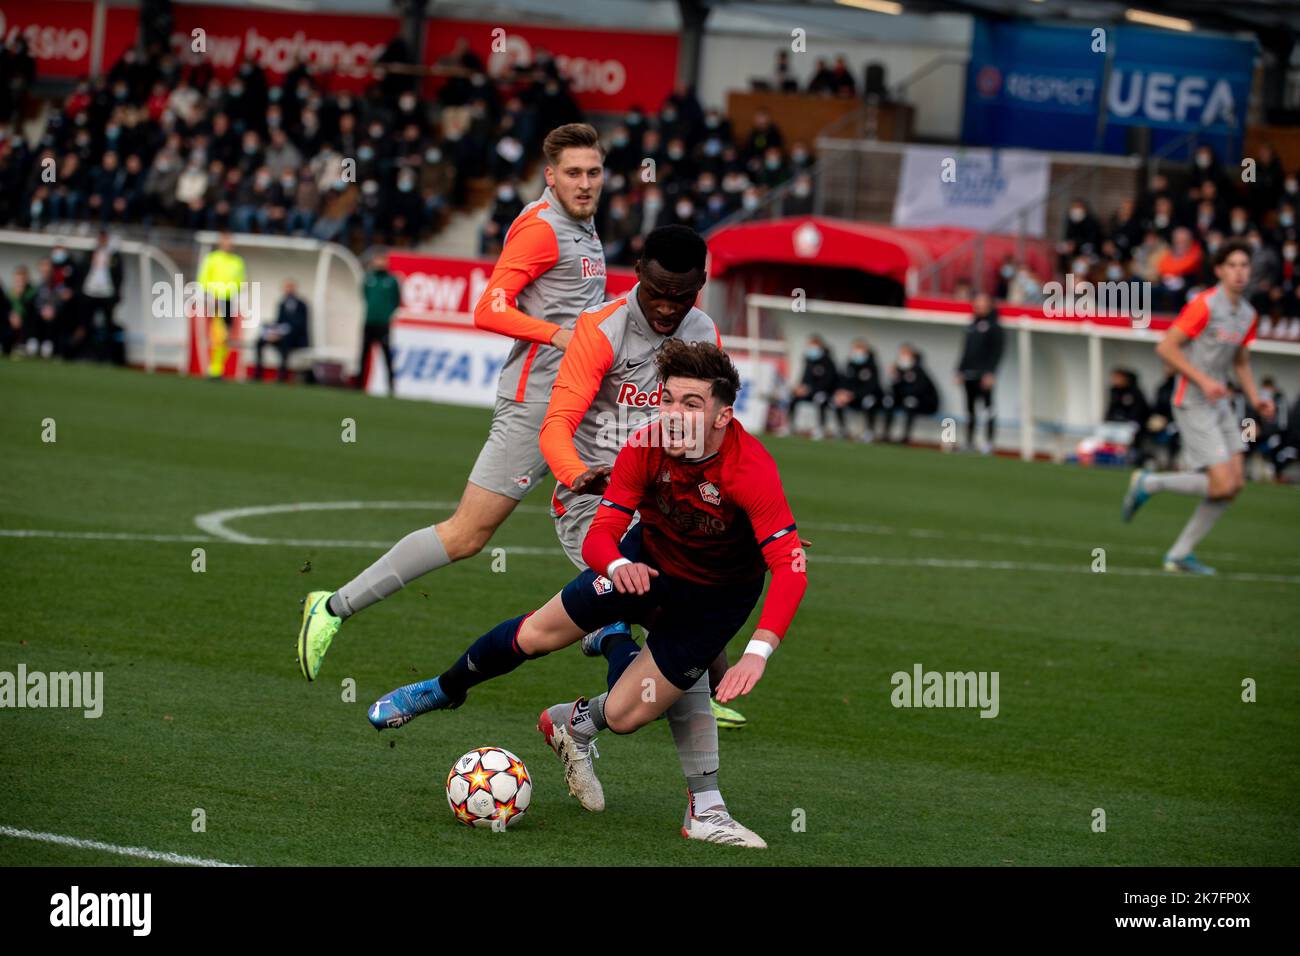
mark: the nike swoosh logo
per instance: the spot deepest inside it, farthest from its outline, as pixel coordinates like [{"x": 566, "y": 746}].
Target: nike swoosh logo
[{"x": 631, "y": 367}]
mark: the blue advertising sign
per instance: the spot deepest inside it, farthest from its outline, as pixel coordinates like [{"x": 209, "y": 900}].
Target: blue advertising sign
[
  {"x": 1033, "y": 86},
  {"x": 1045, "y": 87}
]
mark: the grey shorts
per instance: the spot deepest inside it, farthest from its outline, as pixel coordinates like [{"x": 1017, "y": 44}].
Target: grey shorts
[
  {"x": 1210, "y": 434},
  {"x": 573, "y": 514},
  {"x": 511, "y": 462}
]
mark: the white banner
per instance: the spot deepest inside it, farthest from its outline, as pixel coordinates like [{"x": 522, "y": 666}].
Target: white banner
[
  {"x": 980, "y": 189},
  {"x": 442, "y": 363}
]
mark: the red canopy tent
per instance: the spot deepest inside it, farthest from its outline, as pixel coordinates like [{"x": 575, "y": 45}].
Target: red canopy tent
[{"x": 854, "y": 261}]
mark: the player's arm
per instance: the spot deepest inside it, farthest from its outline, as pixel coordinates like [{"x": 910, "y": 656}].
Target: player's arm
[
  {"x": 530, "y": 250},
  {"x": 586, "y": 360},
  {"x": 1246, "y": 376},
  {"x": 1190, "y": 323},
  {"x": 600, "y": 548},
  {"x": 763, "y": 499}
]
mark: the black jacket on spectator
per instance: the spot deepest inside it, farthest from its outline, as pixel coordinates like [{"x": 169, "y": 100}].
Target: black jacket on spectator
[
  {"x": 292, "y": 317},
  {"x": 982, "y": 350},
  {"x": 862, "y": 378},
  {"x": 914, "y": 390},
  {"x": 819, "y": 374},
  {"x": 1128, "y": 404}
]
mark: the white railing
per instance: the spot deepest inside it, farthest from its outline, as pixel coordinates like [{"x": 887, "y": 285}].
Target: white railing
[{"x": 1052, "y": 383}]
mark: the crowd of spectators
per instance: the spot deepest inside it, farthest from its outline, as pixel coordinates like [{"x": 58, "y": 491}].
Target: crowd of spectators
[
  {"x": 157, "y": 141},
  {"x": 1168, "y": 235},
  {"x": 681, "y": 165},
  {"x": 66, "y": 307}
]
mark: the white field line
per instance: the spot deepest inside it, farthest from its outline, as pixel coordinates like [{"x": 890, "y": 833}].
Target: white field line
[
  {"x": 140, "y": 853},
  {"x": 958, "y": 564}
]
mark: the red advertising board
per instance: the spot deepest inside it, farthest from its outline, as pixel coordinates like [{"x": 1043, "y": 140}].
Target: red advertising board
[
  {"x": 607, "y": 70},
  {"x": 59, "y": 33},
  {"x": 445, "y": 289},
  {"x": 341, "y": 46}
]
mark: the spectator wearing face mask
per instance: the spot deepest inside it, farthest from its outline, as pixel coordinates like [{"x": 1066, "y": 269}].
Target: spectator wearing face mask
[
  {"x": 1286, "y": 224},
  {"x": 1162, "y": 218},
  {"x": 798, "y": 201},
  {"x": 1205, "y": 168},
  {"x": 505, "y": 210},
  {"x": 1289, "y": 271},
  {"x": 773, "y": 171},
  {"x": 859, "y": 387},
  {"x": 684, "y": 212},
  {"x": 762, "y": 137},
  {"x": 408, "y": 207},
  {"x": 653, "y": 212},
  {"x": 714, "y": 211},
  {"x": 1082, "y": 233},
  {"x": 911, "y": 393},
  {"x": 817, "y": 385},
  {"x": 622, "y": 157},
  {"x": 1026, "y": 288},
  {"x": 1124, "y": 228},
  {"x": 622, "y": 222}
]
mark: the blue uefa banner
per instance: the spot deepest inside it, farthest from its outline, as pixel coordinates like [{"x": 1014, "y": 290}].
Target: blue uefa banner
[{"x": 1044, "y": 87}]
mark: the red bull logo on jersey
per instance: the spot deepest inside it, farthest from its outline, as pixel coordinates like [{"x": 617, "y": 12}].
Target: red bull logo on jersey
[
  {"x": 629, "y": 393},
  {"x": 593, "y": 268}
]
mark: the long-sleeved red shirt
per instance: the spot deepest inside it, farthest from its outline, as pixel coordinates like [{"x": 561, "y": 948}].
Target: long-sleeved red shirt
[{"x": 721, "y": 520}]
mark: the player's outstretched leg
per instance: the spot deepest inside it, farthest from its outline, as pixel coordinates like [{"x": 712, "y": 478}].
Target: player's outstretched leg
[
  {"x": 479, "y": 513},
  {"x": 494, "y": 654},
  {"x": 1223, "y": 481},
  {"x": 571, "y": 728}
]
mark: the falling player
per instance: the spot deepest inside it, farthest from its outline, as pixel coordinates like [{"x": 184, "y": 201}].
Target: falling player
[
  {"x": 606, "y": 389},
  {"x": 1209, "y": 341},
  {"x": 714, "y": 520},
  {"x": 552, "y": 267}
]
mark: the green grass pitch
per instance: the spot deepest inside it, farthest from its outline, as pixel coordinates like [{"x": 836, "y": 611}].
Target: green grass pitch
[{"x": 1119, "y": 690}]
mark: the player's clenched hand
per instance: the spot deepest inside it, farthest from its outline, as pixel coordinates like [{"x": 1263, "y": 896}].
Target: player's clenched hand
[
  {"x": 633, "y": 578},
  {"x": 561, "y": 339},
  {"x": 740, "y": 678},
  {"x": 593, "y": 481},
  {"x": 1213, "y": 389}
]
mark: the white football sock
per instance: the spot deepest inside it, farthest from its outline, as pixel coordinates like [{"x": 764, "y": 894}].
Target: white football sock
[
  {"x": 1197, "y": 527},
  {"x": 1181, "y": 482}
]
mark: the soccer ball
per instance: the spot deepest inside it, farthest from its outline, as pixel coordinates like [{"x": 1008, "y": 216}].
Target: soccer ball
[{"x": 489, "y": 787}]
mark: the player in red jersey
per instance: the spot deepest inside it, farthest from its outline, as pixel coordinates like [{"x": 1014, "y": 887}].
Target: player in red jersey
[{"x": 714, "y": 521}]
